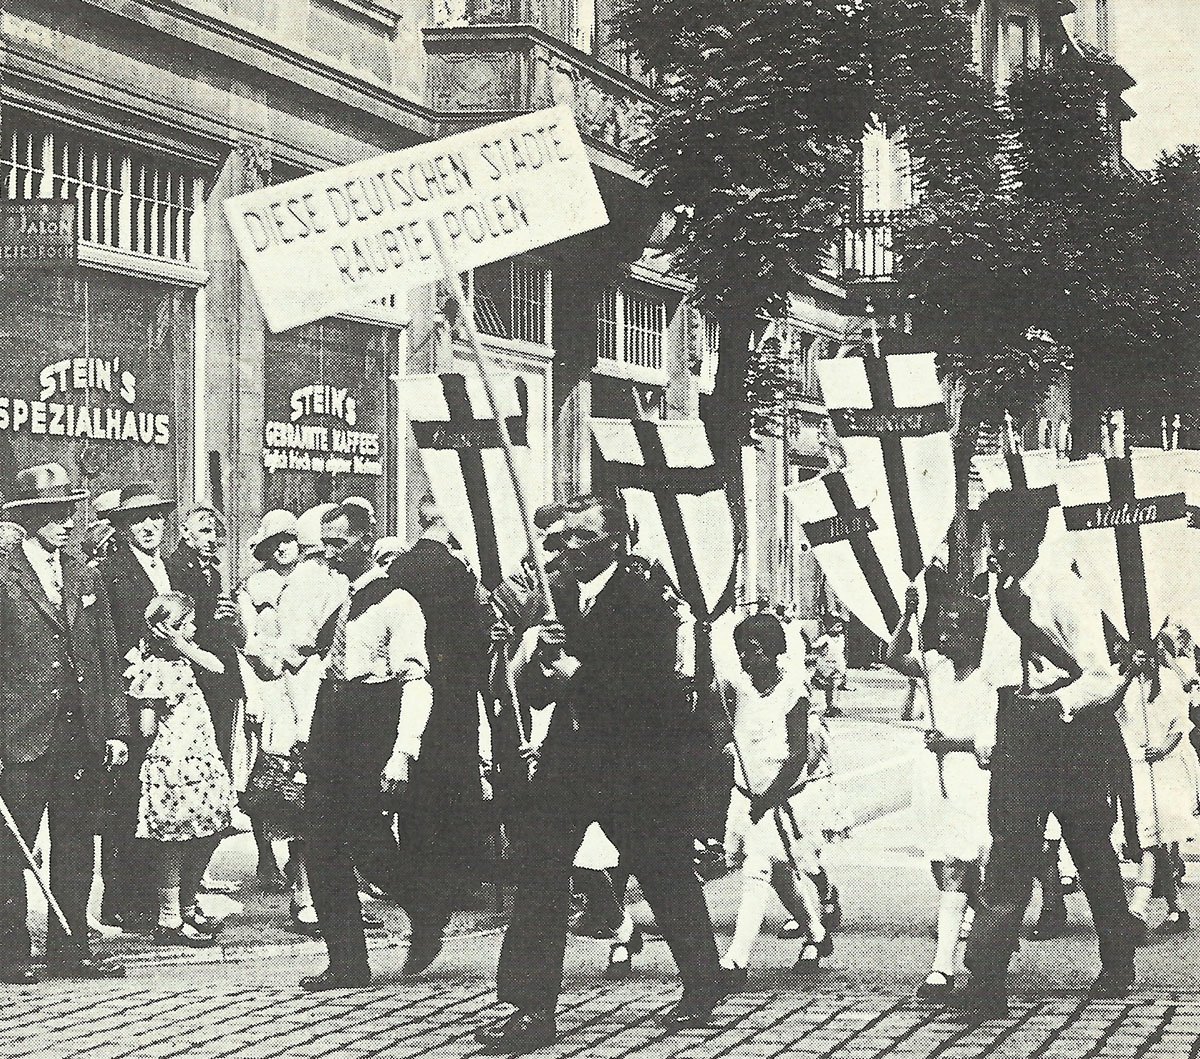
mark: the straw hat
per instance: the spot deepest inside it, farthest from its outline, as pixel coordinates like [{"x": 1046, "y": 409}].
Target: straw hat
[{"x": 136, "y": 501}]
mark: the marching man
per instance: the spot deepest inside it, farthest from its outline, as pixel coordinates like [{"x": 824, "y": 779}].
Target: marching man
[
  {"x": 610, "y": 757},
  {"x": 1056, "y": 749}
]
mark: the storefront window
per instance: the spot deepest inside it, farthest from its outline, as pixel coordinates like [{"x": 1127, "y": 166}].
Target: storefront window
[
  {"x": 95, "y": 374},
  {"x": 327, "y": 406}
]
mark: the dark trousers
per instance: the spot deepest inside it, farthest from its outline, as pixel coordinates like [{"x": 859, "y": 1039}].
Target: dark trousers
[
  {"x": 67, "y": 782},
  {"x": 1044, "y": 765},
  {"x": 125, "y": 860},
  {"x": 652, "y": 838},
  {"x": 439, "y": 830},
  {"x": 345, "y": 821}
]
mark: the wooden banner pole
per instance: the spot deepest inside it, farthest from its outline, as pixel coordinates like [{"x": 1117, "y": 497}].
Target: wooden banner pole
[{"x": 454, "y": 283}]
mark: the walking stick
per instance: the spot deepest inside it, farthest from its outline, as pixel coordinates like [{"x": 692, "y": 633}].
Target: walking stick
[{"x": 33, "y": 866}]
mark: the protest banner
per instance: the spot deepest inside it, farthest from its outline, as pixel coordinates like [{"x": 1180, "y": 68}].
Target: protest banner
[{"x": 334, "y": 241}]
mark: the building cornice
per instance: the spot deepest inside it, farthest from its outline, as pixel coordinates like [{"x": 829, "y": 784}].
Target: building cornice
[{"x": 244, "y": 45}]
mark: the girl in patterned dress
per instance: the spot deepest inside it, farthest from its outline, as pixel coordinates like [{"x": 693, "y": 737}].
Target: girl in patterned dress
[{"x": 187, "y": 796}]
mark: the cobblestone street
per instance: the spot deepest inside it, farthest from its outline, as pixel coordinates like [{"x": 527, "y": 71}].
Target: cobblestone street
[{"x": 251, "y": 1019}]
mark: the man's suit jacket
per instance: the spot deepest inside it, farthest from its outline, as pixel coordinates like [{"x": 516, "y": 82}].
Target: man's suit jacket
[
  {"x": 626, "y": 703},
  {"x": 129, "y": 594},
  {"x": 34, "y": 636},
  {"x": 187, "y": 574}
]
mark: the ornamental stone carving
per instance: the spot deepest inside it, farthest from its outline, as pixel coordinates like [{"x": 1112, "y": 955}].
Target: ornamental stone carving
[
  {"x": 603, "y": 112},
  {"x": 476, "y": 81}
]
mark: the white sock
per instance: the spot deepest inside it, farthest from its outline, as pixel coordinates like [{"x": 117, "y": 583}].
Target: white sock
[
  {"x": 756, "y": 892},
  {"x": 951, "y": 909},
  {"x": 624, "y": 933},
  {"x": 169, "y": 914},
  {"x": 1140, "y": 899}
]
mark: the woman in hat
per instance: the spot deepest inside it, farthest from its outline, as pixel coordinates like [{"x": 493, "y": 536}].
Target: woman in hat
[{"x": 270, "y": 715}]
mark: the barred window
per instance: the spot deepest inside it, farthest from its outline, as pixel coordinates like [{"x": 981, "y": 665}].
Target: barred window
[
  {"x": 127, "y": 201},
  {"x": 512, "y": 299},
  {"x": 631, "y": 327}
]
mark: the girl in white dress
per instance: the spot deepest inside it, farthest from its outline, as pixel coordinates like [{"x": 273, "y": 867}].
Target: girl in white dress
[
  {"x": 775, "y": 820},
  {"x": 1155, "y": 725},
  {"x": 950, "y": 785}
]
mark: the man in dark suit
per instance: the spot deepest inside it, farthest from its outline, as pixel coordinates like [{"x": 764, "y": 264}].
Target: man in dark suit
[
  {"x": 610, "y": 756},
  {"x": 194, "y": 568},
  {"x": 441, "y": 814},
  {"x": 62, "y": 719},
  {"x": 133, "y": 573}
]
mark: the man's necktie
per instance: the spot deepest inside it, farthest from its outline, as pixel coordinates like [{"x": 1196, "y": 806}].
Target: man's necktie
[{"x": 335, "y": 663}]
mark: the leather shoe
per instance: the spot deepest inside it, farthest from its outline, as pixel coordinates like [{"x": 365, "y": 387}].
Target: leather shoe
[
  {"x": 19, "y": 974},
  {"x": 1176, "y": 923},
  {"x": 979, "y": 1001},
  {"x": 84, "y": 967},
  {"x": 1047, "y": 927},
  {"x": 518, "y": 1033},
  {"x": 1112, "y": 983},
  {"x": 423, "y": 948},
  {"x": 693, "y": 1009},
  {"x": 337, "y": 978}
]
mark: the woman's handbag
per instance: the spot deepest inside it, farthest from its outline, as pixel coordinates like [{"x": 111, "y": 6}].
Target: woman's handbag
[{"x": 275, "y": 788}]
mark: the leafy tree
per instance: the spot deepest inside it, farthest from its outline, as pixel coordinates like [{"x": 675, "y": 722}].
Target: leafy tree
[
  {"x": 1074, "y": 261},
  {"x": 766, "y": 104}
]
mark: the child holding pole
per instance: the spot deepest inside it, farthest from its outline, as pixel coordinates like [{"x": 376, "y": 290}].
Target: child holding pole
[
  {"x": 951, "y": 784},
  {"x": 775, "y": 817}
]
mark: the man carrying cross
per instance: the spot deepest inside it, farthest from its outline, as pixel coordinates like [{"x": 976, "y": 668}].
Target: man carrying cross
[
  {"x": 1056, "y": 750},
  {"x": 609, "y": 664}
]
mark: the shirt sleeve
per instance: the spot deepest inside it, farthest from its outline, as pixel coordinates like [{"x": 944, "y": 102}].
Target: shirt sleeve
[
  {"x": 410, "y": 662},
  {"x": 1078, "y": 628},
  {"x": 407, "y": 655}
]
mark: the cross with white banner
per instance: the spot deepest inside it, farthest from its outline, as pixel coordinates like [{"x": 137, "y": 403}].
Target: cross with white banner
[
  {"x": 1130, "y": 515},
  {"x": 840, "y": 520},
  {"x": 889, "y": 415},
  {"x": 677, "y": 494},
  {"x": 456, "y": 434}
]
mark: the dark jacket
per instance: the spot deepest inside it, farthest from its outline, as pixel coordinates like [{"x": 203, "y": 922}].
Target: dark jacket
[
  {"x": 129, "y": 594},
  {"x": 221, "y": 638},
  {"x": 457, "y": 641},
  {"x": 626, "y": 700},
  {"x": 35, "y": 636}
]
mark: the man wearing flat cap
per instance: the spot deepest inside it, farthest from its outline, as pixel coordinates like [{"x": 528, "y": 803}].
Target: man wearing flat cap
[
  {"x": 133, "y": 574},
  {"x": 62, "y": 719}
]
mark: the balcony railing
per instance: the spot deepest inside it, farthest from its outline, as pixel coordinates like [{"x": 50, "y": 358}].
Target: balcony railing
[{"x": 867, "y": 252}]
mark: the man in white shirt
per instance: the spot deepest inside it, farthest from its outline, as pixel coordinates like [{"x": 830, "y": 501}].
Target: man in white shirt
[
  {"x": 371, "y": 711},
  {"x": 1056, "y": 749}
]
